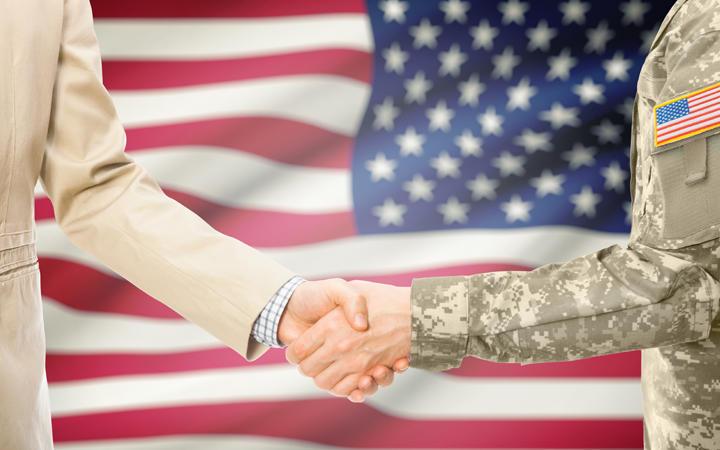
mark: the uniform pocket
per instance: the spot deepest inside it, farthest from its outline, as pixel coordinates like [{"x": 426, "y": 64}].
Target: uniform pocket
[{"x": 689, "y": 179}]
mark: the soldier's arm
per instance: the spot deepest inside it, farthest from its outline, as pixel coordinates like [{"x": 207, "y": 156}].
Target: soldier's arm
[{"x": 615, "y": 300}]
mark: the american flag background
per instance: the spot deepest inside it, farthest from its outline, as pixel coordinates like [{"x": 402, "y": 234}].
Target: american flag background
[{"x": 381, "y": 140}]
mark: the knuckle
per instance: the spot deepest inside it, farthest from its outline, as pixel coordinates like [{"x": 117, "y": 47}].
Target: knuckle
[
  {"x": 340, "y": 391},
  {"x": 323, "y": 383},
  {"x": 344, "y": 346},
  {"x": 297, "y": 351},
  {"x": 305, "y": 369}
]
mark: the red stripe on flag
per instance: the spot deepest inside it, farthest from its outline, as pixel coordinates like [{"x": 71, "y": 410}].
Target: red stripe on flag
[
  {"x": 405, "y": 279},
  {"x": 74, "y": 367},
  {"x": 704, "y": 94},
  {"x": 620, "y": 365},
  {"x": 84, "y": 288},
  {"x": 126, "y": 75},
  {"x": 697, "y": 102},
  {"x": 691, "y": 131},
  {"x": 280, "y": 140},
  {"x": 340, "y": 423},
  {"x": 129, "y": 9},
  {"x": 254, "y": 227}
]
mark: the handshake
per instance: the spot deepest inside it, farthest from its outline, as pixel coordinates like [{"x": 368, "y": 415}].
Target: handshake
[{"x": 350, "y": 337}]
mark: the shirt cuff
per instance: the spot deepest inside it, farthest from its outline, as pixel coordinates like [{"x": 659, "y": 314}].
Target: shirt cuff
[
  {"x": 265, "y": 328},
  {"x": 439, "y": 322}
]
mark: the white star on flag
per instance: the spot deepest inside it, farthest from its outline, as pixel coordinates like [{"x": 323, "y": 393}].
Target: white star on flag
[
  {"x": 446, "y": 166},
  {"x": 615, "y": 177},
  {"x": 425, "y": 34},
  {"x": 455, "y": 11},
  {"x": 540, "y": 36},
  {"x": 516, "y": 209},
  {"x": 453, "y": 211},
  {"x": 416, "y": 88},
  {"x": 394, "y": 10},
  {"x": 483, "y": 35},
  {"x": 440, "y": 117},
  {"x": 390, "y": 213},
  {"x": 533, "y": 141},
  {"x": 561, "y": 65},
  {"x": 469, "y": 144},
  {"x": 513, "y": 11},
  {"x": 470, "y": 90},
  {"x": 559, "y": 116},
  {"x": 505, "y": 63},
  {"x": 410, "y": 142},
  {"x": 580, "y": 156},
  {"x": 381, "y": 168},
  {"x": 419, "y": 188},
  {"x": 385, "y": 115},
  {"x": 574, "y": 11},
  {"x": 510, "y": 164},
  {"x": 585, "y": 202},
  {"x": 491, "y": 122},
  {"x": 547, "y": 184},
  {"x": 519, "y": 96}
]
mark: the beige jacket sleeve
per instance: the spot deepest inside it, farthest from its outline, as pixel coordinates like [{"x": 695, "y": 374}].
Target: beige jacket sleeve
[{"x": 111, "y": 208}]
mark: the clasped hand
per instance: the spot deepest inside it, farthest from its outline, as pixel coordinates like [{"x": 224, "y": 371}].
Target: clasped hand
[{"x": 350, "y": 337}]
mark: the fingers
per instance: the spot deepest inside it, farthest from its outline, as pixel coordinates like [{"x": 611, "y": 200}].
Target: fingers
[
  {"x": 353, "y": 304},
  {"x": 401, "y": 365},
  {"x": 368, "y": 389},
  {"x": 318, "y": 363},
  {"x": 356, "y": 396},
  {"x": 334, "y": 373},
  {"x": 304, "y": 346},
  {"x": 382, "y": 375},
  {"x": 346, "y": 385}
]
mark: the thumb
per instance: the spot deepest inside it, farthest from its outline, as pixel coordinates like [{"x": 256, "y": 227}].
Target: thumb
[{"x": 353, "y": 304}]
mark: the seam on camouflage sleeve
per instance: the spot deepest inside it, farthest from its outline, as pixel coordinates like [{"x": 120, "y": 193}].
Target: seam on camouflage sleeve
[{"x": 439, "y": 322}]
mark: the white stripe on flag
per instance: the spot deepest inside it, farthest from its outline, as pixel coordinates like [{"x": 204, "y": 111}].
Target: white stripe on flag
[
  {"x": 667, "y": 131},
  {"x": 333, "y": 103},
  {"x": 197, "y": 39},
  {"x": 402, "y": 252},
  {"x": 443, "y": 397},
  {"x": 81, "y": 332},
  {"x": 704, "y": 98},
  {"x": 244, "y": 180}
]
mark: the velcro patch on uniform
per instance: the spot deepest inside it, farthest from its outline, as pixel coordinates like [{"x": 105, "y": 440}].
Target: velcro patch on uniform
[{"x": 687, "y": 116}]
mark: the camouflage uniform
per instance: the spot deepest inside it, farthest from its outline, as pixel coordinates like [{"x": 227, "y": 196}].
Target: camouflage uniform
[{"x": 660, "y": 293}]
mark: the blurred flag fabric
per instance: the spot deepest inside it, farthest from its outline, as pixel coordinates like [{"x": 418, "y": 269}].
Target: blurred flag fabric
[{"x": 383, "y": 140}]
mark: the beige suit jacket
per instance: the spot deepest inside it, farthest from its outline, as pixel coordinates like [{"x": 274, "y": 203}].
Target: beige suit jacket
[{"x": 58, "y": 124}]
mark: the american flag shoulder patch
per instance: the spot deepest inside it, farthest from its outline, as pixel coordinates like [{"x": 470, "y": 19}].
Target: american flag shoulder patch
[{"x": 687, "y": 116}]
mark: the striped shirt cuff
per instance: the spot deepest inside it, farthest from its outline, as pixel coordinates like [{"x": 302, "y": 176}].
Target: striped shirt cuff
[{"x": 266, "y": 326}]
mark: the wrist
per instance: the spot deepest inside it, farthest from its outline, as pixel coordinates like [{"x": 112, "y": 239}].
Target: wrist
[{"x": 283, "y": 333}]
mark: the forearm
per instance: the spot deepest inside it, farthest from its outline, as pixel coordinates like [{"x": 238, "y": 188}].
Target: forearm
[
  {"x": 110, "y": 207},
  {"x": 612, "y": 301}
]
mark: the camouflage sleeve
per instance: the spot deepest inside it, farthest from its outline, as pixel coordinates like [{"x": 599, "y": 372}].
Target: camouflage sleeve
[{"x": 615, "y": 300}]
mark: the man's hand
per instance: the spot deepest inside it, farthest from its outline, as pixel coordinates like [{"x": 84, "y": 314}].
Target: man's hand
[
  {"x": 314, "y": 299},
  {"x": 341, "y": 359}
]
